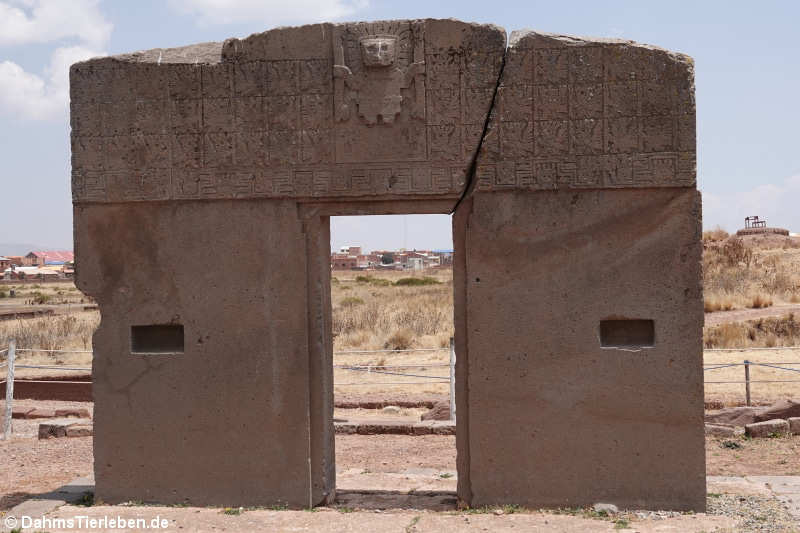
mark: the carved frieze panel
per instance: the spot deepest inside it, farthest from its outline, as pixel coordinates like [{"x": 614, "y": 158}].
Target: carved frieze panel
[
  {"x": 393, "y": 108},
  {"x": 574, "y": 113},
  {"x": 338, "y": 110}
]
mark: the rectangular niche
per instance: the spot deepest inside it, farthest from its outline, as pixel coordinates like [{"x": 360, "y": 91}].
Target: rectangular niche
[
  {"x": 157, "y": 338},
  {"x": 627, "y": 333}
]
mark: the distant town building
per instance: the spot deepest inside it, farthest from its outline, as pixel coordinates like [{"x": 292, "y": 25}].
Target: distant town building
[
  {"x": 351, "y": 258},
  {"x": 38, "y": 265},
  {"x": 42, "y": 258},
  {"x": 31, "y": 273}
]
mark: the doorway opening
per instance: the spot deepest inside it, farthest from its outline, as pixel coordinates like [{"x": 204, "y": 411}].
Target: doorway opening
[{"x": 393, "y": 357}]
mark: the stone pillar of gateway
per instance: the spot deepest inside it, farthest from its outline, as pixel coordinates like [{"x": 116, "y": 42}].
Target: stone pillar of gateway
[{"x": 203, "y": 180}]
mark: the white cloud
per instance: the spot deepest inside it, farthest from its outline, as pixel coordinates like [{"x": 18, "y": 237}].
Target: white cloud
[
  {"x": 36, "y": 97},
  {"x": 45, "y": 96},
  {"x": 777, "y": 203},
  {"x": 44, "y": 21},
  {"x": 269, "y": 12}
]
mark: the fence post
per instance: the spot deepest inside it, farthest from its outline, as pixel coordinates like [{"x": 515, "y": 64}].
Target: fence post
[
  {"x": 12, "y": 348},
  {"x": 747, "y": 382},
  {"x": 452, "y": 380}
]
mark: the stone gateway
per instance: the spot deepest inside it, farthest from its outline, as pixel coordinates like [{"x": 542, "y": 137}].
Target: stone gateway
[{"x": 569, "y": 167}]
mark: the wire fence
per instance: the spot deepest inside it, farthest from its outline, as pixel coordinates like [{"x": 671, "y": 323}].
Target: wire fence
[
  {"x": 392, "y": 370},
  {"x": 747, "y": 381},
  {"x": 752, "y": 349},
  {"x": 415, "y": 375}
]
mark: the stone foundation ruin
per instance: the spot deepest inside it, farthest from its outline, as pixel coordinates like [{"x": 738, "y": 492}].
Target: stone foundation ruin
[{"x": 203, "y": 181}]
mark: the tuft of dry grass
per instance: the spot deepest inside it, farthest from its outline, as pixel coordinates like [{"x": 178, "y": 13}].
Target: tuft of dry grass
[
  {"x": 764, "y": 332},
  {"x": 351, "y": 301},
  {"x": 759, "y": 301},
  {"x": 715, "y": 235},
  {"x": 718, "y": 302},
  {"x": 402, "y": 339}
]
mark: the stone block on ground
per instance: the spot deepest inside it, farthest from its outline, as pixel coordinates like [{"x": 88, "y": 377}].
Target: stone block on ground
[
  {"x": 768, "y": 428},
  {"x": 388, "y": 427},
  {"x": 794, "y": 425},
  {"x": 80, "y": 430},
  {"x": 20, "y": 412},
  {"x": 781, "y": 409},
  {"x": 734, "y": 416},
  {"x": 60, "y": 428},
  {"x": 608, "y": 508},
  {"x": 723, "y": 430},
  {"x": 439, "y": 411},
  {"x": 76, "y": 412},
  {"x": 41, "y": 413}
]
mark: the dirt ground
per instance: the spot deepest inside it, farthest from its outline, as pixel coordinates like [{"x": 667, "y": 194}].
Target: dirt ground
[
  {"x": 32, "y": 466},
  {"x": 742, "y": 456},
  {"x": 740, "y": 315},
  {"x": 330, "y": 520},
  {"x": 399, "y": 483}
]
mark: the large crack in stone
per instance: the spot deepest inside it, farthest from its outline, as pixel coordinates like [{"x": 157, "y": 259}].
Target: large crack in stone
[{"x": 473, "y": 164}]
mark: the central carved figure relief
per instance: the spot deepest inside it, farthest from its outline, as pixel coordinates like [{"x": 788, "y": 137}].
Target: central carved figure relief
[{"x": 379, "y": 73}]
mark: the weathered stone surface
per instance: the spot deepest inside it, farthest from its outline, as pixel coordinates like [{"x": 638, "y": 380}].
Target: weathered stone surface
[
  {"x": 392, "y": 427},
  {"x": 608, "y": 508},
  {"x": 386, "y": 109},
  {"x": 41, "y": 413},
  {"x": 80, "y": 430},
  {"x": 722, "y": 430},
  {"x": 576, "y": 207},
  {"x": 781, "y": 409},
  {"x": 20, "y": 412},
  {"x": 440, "y": 411},
  {"x": 575, "y": 113},
  {"x": 734, "y": 416},
  {"x": 741, "y": 416},
  {"x": 59, "y": 427},
  {"x": 244, "y": 371},
  {"x": 553, "y": 377},
  {"x": 49, "y": 430},
  {"x": 768, "y": 428},
  {"x": 78, "y": 412},
  {"x": 794, "y": 425}
]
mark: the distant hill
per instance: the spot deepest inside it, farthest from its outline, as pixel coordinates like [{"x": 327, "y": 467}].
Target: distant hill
[{"x": 21, "y": 248}]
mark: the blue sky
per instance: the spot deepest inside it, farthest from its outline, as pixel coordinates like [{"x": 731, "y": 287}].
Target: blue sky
[{"x": 747, "y": 75}]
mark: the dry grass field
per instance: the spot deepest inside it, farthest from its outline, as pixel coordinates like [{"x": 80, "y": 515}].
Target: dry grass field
[
  {"x": 69, "y": 328},
  {"x": 751, "y": 272},
  {"x": 392, "y": 309}
]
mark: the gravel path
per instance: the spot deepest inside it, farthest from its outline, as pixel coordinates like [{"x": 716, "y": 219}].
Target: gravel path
[{"x": 754, "y": 513}]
